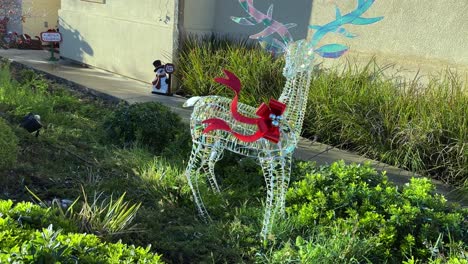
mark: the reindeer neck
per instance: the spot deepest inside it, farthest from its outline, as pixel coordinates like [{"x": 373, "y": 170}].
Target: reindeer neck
[{"x": 294, "y": 95}]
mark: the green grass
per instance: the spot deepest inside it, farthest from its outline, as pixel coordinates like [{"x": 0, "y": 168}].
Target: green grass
[
  {"x": 74, "y": 150},
  {"x": 422, "y": 129}
]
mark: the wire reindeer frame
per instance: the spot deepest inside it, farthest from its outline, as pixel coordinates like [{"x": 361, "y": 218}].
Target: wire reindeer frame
[{"x": 270, "y": 132}]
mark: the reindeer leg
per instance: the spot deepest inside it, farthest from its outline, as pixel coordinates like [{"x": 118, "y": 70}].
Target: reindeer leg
[
  {"x": 283, "y": 181},
  {"x": 192, "y": 172},
  {"x": 215, "y": 155},
  {"x": 268, "y": 167},
  {"x": 211, "y": 154}
]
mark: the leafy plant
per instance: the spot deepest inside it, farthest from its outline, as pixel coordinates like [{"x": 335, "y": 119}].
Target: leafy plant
[
  {"x": 104, "y": 217},
  {"x": 36, "y": 243},
  {"x": 337, "y": 243}
]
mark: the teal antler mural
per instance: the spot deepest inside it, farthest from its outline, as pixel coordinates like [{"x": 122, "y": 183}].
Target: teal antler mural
[{"x": 353, "y": 18}]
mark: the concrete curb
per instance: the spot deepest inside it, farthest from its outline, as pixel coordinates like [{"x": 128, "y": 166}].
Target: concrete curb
[{"x": 74, "y": 86}]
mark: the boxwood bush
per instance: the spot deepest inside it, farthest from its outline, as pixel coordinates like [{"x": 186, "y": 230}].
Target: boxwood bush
[
  {"x": 151, "y": 124},
  {"x": 339, "y": 202},
  {"x": 32, "y": 234},
  {"x": 8, "y": 145}
]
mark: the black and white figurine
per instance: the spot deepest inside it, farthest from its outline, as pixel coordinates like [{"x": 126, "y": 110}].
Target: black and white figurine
[{"x": 160, "y": 82}]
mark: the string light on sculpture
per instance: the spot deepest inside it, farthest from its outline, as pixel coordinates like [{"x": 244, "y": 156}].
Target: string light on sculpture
[{"x": 270, "y": 132}]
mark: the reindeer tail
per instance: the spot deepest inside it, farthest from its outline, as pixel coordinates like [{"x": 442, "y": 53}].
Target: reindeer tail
[{"x": 192, "y": 101}]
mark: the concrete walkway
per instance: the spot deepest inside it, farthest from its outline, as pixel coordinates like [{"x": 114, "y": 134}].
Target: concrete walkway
[{"x": 116, "y": 87}]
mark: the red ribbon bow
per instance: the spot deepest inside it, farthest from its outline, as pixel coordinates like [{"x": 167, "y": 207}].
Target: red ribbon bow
[{"x": 269, "y": 115}]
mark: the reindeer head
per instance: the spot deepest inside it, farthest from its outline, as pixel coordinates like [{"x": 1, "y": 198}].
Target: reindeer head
[
  {"x": 299, "y": 58},
  {"x": 300, "y": 54}
]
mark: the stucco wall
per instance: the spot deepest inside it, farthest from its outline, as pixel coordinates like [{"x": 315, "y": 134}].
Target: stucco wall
[
  {"x": 426, "y": 35},
  {"x": 40, "y": 16},
  {"x": 429, "y": 35},
  {"x": 206, "y": 16},
  {"x": 121, "y": 36},
  {"x": 199, "y": 16}
]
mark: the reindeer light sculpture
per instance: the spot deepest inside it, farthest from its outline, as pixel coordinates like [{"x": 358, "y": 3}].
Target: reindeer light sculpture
[{"x": 269, "y": 133}]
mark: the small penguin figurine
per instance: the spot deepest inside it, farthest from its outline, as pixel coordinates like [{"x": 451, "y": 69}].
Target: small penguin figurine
[{"x": 160, "y": 83}]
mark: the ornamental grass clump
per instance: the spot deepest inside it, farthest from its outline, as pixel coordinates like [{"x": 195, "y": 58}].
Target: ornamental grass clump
[
  {"x": 422, "y": 129},
  {"x": 202, "y": 58}
]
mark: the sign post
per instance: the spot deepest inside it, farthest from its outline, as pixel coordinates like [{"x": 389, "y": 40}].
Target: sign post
[
  {"x": 169, "y": 68},
  {"x": 52, "y": 37}
]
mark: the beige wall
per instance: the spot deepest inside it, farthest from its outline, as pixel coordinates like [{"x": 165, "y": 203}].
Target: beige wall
[
  {"x": 40, "y": 16},
  {"x": 199, "y": 16},
  {"x": 121, "y": 36}
]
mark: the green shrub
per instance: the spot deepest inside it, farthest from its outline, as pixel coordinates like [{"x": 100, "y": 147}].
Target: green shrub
[
  {"x": 150, "y": 124},
  {"x": 180, "y": 147},
  {"x": 408, "y": 222},
  {"x": 27, "y": 235},
  {"x": 8, "y": 145},
  {"x": 338, "y": 243},
  {"x": 31, "y": 216}
]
